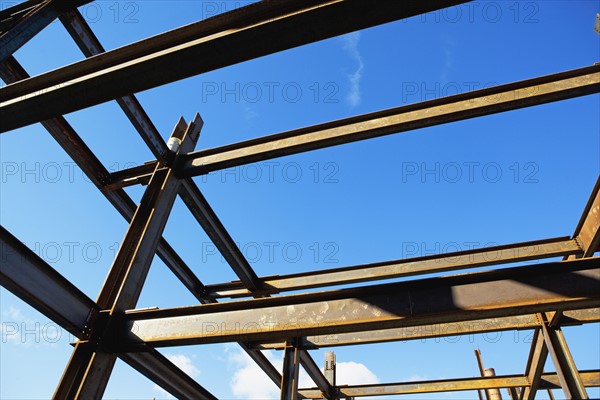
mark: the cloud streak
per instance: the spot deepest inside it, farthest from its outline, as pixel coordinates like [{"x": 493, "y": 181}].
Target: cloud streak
[
  {"x": 350, "y": 45},
  {"x": 250, "y": 382},
  {"x": 448, "y": 46}
]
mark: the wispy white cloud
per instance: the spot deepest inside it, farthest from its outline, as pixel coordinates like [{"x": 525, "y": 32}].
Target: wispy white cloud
[
  {"x": 12, "y": 319},
  {"x": 185, "y": 364},
  {"x": 250, "y": 382},
  {"x": 448, "y": 46},
  {"x": 20, "y": 329},
  {"x": 13, "y": 313},
  {"x": 416, "y": 378},
  {"x": 249, "y": 114},
  {"x": 350, "y": 45},
  {"x": 353, "y": 373}
]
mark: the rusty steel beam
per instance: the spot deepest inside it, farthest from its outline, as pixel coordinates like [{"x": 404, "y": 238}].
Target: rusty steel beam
[
  {"x": 439, "y": 330},
  {"x": 257, "y": 30},
  {"x": 525, "y": 251},
  {"x": 497, "y": 99},
  {"x": 35, "y": 282},
  {"x": 587, "y": 232},
  {"x": 570, "y": 379},
  {"x": 501, "y": 98},
  {"x": 125, "y": 280},
  {"x": 89, "y": 369},
  {"x": 491, "y": 294},
  {"x": 548, "y": 381}
]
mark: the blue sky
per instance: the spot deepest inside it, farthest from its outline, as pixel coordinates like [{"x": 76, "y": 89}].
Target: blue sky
[{"x": 517, "y": 176}]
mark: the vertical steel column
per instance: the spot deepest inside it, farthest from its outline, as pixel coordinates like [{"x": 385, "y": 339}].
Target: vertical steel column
[
  {"x": 291, "y": 368},
  {"x": 329, "y": 371},
  {"x": 481, "y": 373},
  {"x": 568, "y": 374},
  {"x": 89, "y": 368},
  {"x": 330, "y": 367}
]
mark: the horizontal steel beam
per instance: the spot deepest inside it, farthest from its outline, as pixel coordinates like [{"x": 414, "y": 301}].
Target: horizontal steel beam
[
  {"x": 517, "y": 323},
  {"x": 491, "y": 294},
  {"x": 31, "y": 279},
  {"x": 501, "y": 98},
  {"x": 256, "y": 30},
  {"x": 517, "y": 252},
  {"x": 548, "y": 381},
  {"x": 497, "y": 99}
]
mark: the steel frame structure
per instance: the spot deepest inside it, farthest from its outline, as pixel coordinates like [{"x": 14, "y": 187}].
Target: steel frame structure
[{"x": 542, "y": 298}]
